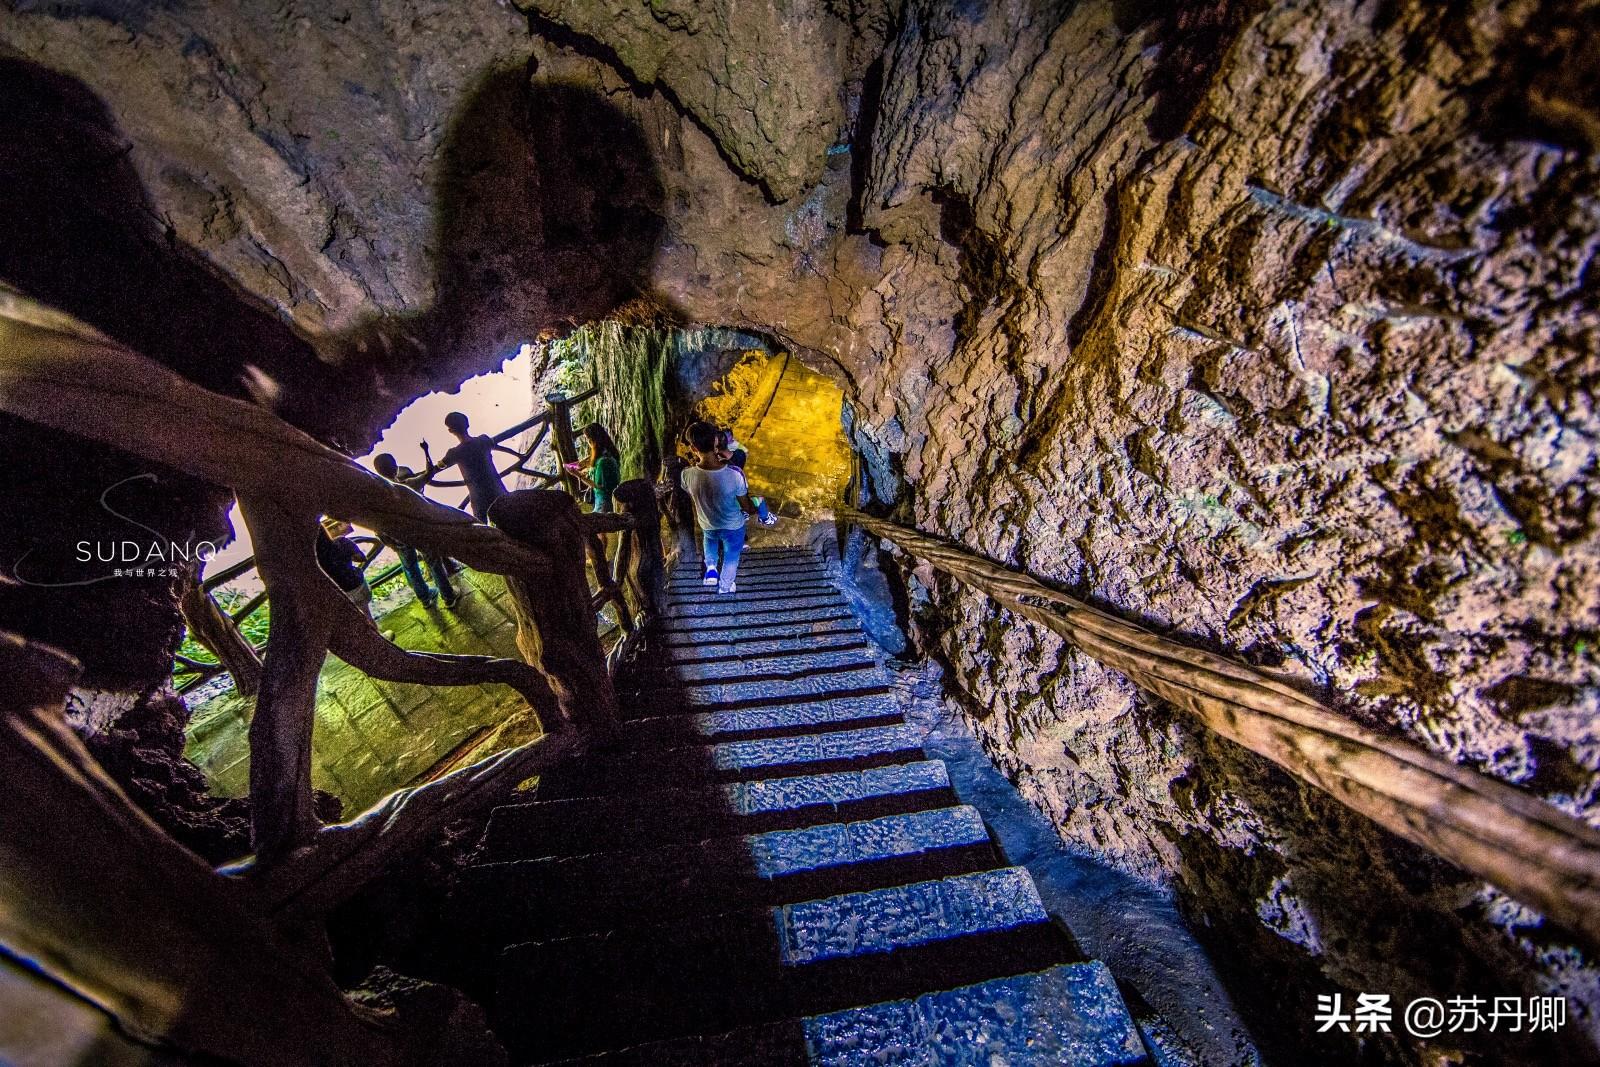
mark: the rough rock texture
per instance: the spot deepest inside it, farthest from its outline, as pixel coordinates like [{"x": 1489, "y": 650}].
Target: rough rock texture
[
  {"x": 1270, "y": 323},
  {"x": 774, "y": 110}
]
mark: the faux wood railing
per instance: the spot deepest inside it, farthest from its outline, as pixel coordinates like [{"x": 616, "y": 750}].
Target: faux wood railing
[
  {"x": 1527, "y": 847},
  {"x": 219, "y": 630},
  {"x": 58, "y": 373}
]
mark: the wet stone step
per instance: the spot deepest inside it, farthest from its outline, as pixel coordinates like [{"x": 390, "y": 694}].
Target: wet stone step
[
  {"x": 829, "y": 713},
  {"x": 691, "y": 567},
  {"x": 676, "y": 816},
  {"x": 738, "y": 606},
  {"x": 542, "y": 899},
  {"x": 843, "y": 635},
  {"x": 733, "y": 640},
  {"x": 747, "y": 598},
  {"x": 810, "y": 659},
  {"x": 804, "y": 626},
  {"x": 614, "y": 771},
  {"x": 816, "y": 685},
  {"x": 691, "y": 583},
  {"x": 748, "y": 625},
  {"x": 750, "y": 588},
  {"x": 596, "y": 993},
  {"x": 730, "y": 614},
  {"x": 1067, "y": 1016},
  {"x": 884, "y": 920}
]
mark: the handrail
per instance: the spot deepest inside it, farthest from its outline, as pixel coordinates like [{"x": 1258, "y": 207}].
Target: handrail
[
  {"x": 1526, "y": 846},
  {"x": 197, "y": 673},
  {"x": 61, "y": 374}
]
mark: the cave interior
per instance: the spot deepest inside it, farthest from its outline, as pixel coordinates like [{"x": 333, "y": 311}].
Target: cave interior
[{"x": 1177, "y": 640}]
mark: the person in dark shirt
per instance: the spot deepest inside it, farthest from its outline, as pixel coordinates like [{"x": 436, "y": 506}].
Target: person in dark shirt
[
  {"x": 410, "y": 558},
  {"x": 475, "y": 457},
  {"x": 340, "y": 559}
]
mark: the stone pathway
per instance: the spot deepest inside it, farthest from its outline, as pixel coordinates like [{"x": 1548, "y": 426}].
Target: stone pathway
[
  {"x": 767, "y": 869},
  {"x": 371, "y": 737}
]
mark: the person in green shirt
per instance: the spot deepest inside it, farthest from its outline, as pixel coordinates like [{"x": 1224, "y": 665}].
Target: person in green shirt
[{"x": 601, "y": 469}]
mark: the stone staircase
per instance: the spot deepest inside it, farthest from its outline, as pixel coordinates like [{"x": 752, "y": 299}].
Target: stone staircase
[{"x": 767, "y": 870}]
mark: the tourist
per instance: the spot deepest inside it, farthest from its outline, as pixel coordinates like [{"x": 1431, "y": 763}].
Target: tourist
[
  {"x": 601, "y": 469},
  {"x": 735, "y": 455},
  {"x": 410, "y": 558},
  {"x": 721, "y": 505},
  {"x": 342, "y": 560},
  {"x": 475, "y": 458},
  {"x": 732, "y": 450}
]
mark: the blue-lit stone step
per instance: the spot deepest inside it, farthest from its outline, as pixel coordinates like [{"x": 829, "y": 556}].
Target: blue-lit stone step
[
  {"x": 750, "y": 588},
  {"x": 677, "y": 979},
  {"x": 738, "y": 605},
  {"x": 752, "y": 578},
  {"x": 541, "y": 899},
  {"x": 650, "y": 818},
  {"x": 738, "y": 634},
  {"x": 614, "y": 771},
  {"x": 818, "y": 656},
  {"x": 783, "y": 637},
  {"x": 784, "y": 575},
  {"x": 747, "y": 617},
  {"x": 852, "y": 680},
  {"x": 810, "y": 572},
  {"x": 1067, "y": 1016},
  {"x": 876, "y": 709},
  {"x": 755, "y": 565},
  {"x": 882, "y": 921}
]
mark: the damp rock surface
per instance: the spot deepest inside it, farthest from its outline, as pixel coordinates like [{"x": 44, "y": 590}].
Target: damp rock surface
[{"x": 1272, "y": 325}]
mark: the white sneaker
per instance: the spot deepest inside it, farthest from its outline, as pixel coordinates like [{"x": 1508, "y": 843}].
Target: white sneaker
[
  {"x": 729, "y": 587},
  {"x": 710, "y": 578}
]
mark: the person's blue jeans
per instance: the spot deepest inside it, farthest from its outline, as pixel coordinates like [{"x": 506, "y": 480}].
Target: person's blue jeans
[
  {"x": 412, "y": 564},
  {"x": 722, "y": 548}
]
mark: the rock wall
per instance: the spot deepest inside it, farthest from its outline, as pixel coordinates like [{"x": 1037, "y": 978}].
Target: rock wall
[{"x": 1273, "y": 324}]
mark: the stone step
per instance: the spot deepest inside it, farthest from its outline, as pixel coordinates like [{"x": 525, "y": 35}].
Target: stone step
[
  {"x": 845, "y": 635},
  {"x": 692, "y": 586},
  {"x": 692, "y": 568},
  {"x": 759, "y": 577},
  {"x": 750, "y": 588},
  {"x": 856, "y": 680},
  {"x": 878, "y": 709},
  {"x": 759, "y": 573},
  {"x": 679, "y": 816},
  {"x": 582, "y": 995},
  {"x": 1067, "y": 1016},
  {"x": 754, "y": 616},
  {"x": 816, "y": 657},
  {"x": 526, "y": 900},
  {"x": 617, "y": 770},
  {"x": 737, "y": 605},
  {"x": 715, "y": 640}
]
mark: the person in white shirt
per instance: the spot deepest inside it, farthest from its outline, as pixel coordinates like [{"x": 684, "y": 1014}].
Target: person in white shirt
[{"x": 722, "y": 505}]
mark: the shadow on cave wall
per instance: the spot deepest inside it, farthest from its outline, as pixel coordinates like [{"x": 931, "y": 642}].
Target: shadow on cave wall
[{"x": 549, "y": 212}]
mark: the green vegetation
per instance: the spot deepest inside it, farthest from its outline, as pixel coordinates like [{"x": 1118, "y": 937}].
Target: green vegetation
[{"x": 254, "y": 628}]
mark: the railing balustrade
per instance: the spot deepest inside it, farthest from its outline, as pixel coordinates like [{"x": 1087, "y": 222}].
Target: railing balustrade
[
  {"x": 1518, "y": 842},
  {"x": 58, "y": 373}
]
